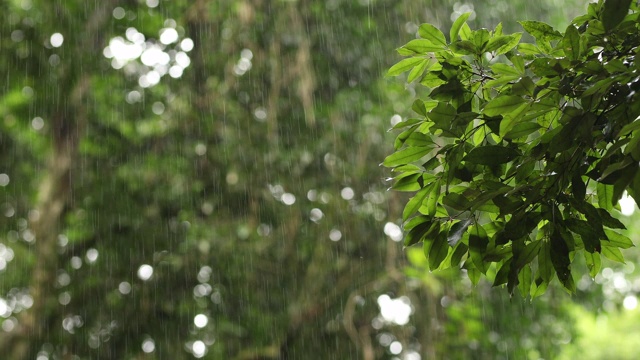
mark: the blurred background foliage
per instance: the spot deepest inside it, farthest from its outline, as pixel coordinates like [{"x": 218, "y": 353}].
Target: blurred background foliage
[{"x": 185, "y": 179}]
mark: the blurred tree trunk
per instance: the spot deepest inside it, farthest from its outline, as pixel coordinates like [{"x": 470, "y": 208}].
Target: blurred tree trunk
[{"x": 68, "y": 115}]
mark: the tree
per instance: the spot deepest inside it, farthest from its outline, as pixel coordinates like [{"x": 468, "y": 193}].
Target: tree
[{"x": 521, "y": 151}]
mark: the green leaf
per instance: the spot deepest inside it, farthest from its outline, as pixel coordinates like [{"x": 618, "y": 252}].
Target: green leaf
[
  {"x": 605, "y": 196},
  {"x": 578, "y": 188},
  {"x": 503, "y": 44},
  {"x": 438, "y": 252},
  {"x": 610, "y": 221},
  {"x": 545, "y": 267},
  {"x": 457, "y": 25},
  {"x": 433, "y": 34},
  {"x": 587, "y": 233},
  {"x": 481, "y": 39},
  {"x": 524, "y": 281},
  {"x": 506, "y": 69},
  {"x": 415, "y": 202},
  {"x": 423, "y": 232},
  {"x": 404, "y": 65},
  {"x": 417, "y": 71},
  {"x": 571, "y": 42},
  {"x": 614, "y": 12},
  {"x": 540, "y": 30},
  {"x": 560, "y": 259},
  {"x": 423, "y": 46},
  {"x": 406, "y": 156},
  {"x": 513, "y": 118},
  {"x": 502, "y": 105},
  {"x": 456, "y": 201},
  {"x": 514, "y": 40},
  {"x": 464, "y": 47},
  {"x": 478, "y": 242},
  {"x": 491, "y": 155},
  {"x": 613, "y": 253},
  {"x": 594, "y": 263},
  {"x": 465, "y": 32},
  {"x": 538, "y": 287},
  {"x": 502, "y": 276},
  {"x": 457, "y": 230},
  {"x": 529, "y": 253},
  {"x": 629, "y": 128},
  {"x": 617, "y": 240}
]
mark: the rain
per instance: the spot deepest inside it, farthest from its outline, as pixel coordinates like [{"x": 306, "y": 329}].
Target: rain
[{"x": 201, "y": 180}]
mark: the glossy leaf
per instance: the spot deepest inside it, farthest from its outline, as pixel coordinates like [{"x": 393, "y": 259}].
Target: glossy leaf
[
  {"x": 457, "y": 25},
  {"x": 433, "y": 34}
]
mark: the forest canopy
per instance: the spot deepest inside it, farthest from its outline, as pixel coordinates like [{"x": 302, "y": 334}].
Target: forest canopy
[{"x": 521, "y": 149}]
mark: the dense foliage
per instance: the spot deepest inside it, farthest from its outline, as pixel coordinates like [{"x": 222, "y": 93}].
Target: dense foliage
[{"x": 521, "y": 151}]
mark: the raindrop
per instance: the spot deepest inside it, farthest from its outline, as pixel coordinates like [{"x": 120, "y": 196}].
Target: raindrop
[
  {"x": 56, "y": 40},
  {"x": 124, "y": 288},
  {"x": 9, "y": 324},
  {"x": 288, "y": 199},
  {"x": 154, "y": 56},
  {"x": 630, "y": 302},
  {"x": 153, "y": 77},
  {"x": 37, "y": 123},
  {"x": 153, "y": 3},
  {"x": 119, "y": 13},
  {"x": 393, "y": 231},
  {"x": 385, "y": 339},
  {"x": 312, "y": 195},
  {"x": 347, "y": 193},
  {"x": 335, "y": 235},
  {"x": 207, "y": 208},
  {"x": 316, "y": 215},
  {"x": 54, "y": 60},
  {"x": 204, "y": 274},
  {"x": 145, "y": 271},
  {"x": 26, "y": 4},
  {"x": 216, "y": 298},
  {"x": 76, "y": 262},
  {"x": 260, "y": 114},
  {"x": 201, "y": 149},
  {"x": 157, "y": 108},
  {"x": 201, "y": 320},
  {"x": 133, "y": 96},
  {"x": 264, "y": 230},
  {"x": 186, "y": 44},
  {"x": 246, "y": 54},
  {"x": 92, "y": 255},
  {"x": 168, "y": 36},
  {"x": 182, "y": 59},
  {"x": 64, "y": 279},
  {"x": 395, "y": 348},
  {"x": 199, "y": 348},
  {"x": 17, "y": 35},
  {"x": 27, "y": 92},
  {"x": 8, "y": 210},
  {"x": 176, "y": 71},
  {"x": 64, "y": 298},
  {"x": 148, "y": 346}
]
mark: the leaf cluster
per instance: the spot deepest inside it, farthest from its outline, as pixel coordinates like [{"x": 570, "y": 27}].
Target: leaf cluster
[{"x": 521, "y": 151}]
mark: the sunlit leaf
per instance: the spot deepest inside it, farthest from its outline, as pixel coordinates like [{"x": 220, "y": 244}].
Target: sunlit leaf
[
  {"x": 433, "y": 34},
  {"x": 406, "y": 156},
  {"x": 457, "y": 25},
  {"x": 404, "y": 65}
]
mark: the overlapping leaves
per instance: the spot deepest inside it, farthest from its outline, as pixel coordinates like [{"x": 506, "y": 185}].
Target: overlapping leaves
[{"x": 522, "y": 150}]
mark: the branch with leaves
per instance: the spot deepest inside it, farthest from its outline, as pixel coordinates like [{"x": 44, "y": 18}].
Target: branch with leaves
[{"x": 521, "y": 151}]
